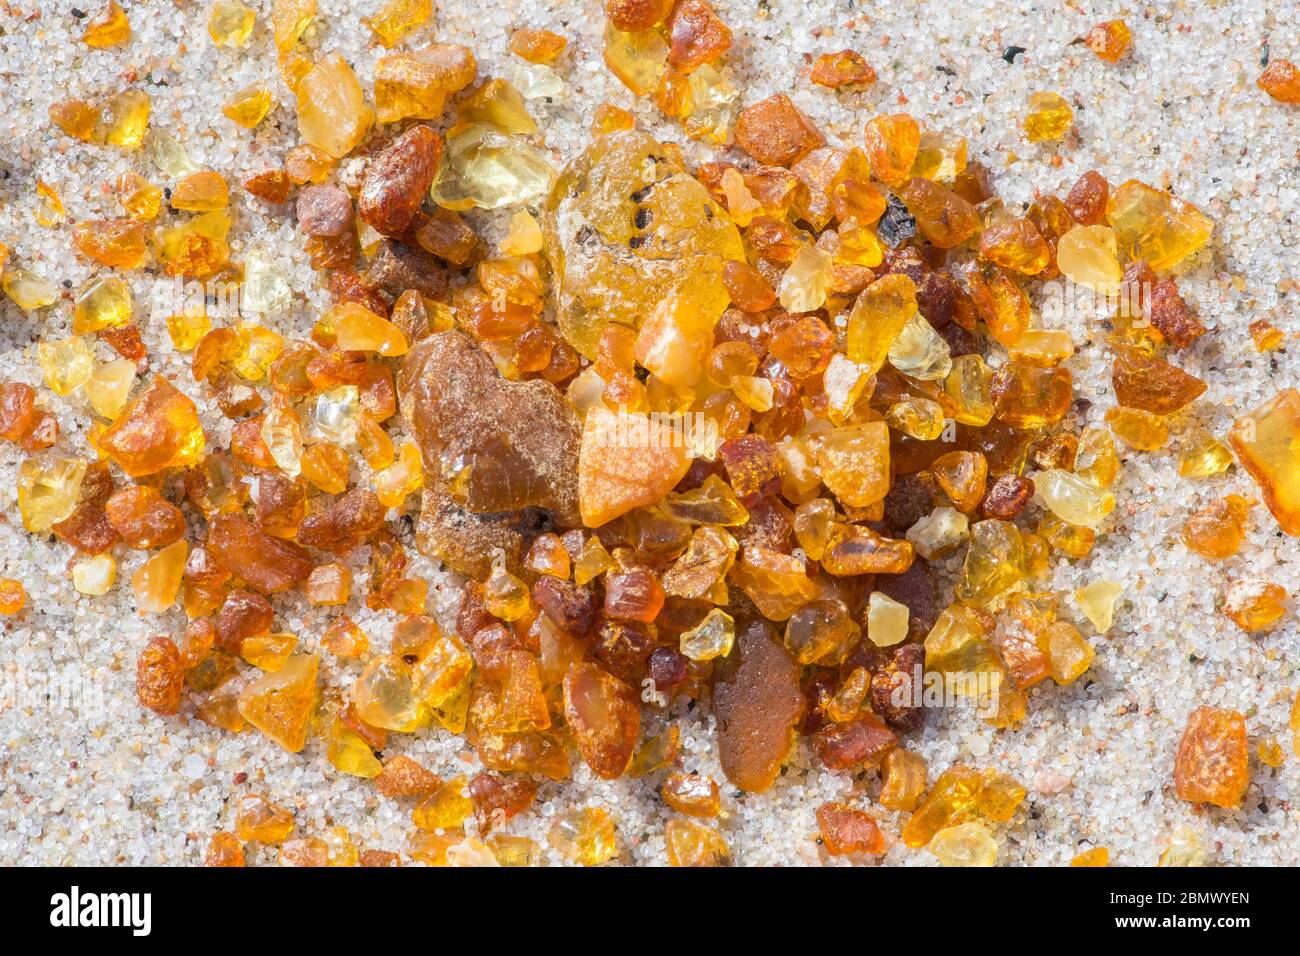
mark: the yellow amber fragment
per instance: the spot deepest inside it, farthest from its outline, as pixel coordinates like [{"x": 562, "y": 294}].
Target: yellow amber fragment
[
  {"x": 196, "y": 248},
  {"x": 268, "y": 652},
  {"x": 248, "y": 106},
  {"x": 939, "y": 533},
  {"x": 186, "y": 329},
  {"x": 230, "y": 23},
  {"x": 853, "y": 461},
  {"x": 887, "y": 620},
  {"x": 95, "y": 576},
  {"x": 711, "y": 638},
  {"x": 584, "y": 836},
  {"x": 920, "y": 352},
  {"x": 1267, "y": 442},
  {"x": 638, "y": 59},
  {"x": 1270, "y": 753},
  {"x": 404, "y": 476},
  {"x": 1043, "y": 348},
  {"x": 281, "y": 432},
  {"x": 102, "y": 303},
  {"x": 1089, "y": 255},
  {"x": 1073, "y": 499},
  {"x": 524, "y": 237},
  {"x": 397, "y": 18},
  {"x": 1049, "y": 117},
  {"x": 49, "y": 489},
  {"x": 967, "y": 844},
  {"x": 50, "y": 211},
  {"x": 280, "y": 704},
  {"x": 1095, "y": 459},
  {"x": 1254, "y": 605},
  {"x": 920, "y": 418},
  {"x": 903, "y": 774},
  {"x": 203, "y": 191},
  {"x": 1068, "y": 653},
  {"x": 690, "y": 843},
  {"x": 109, "y": 27},
  {"x": 1097, "y": 856},
  {"x": 1184, "y": 849},
  {"x": 878, "y": 317},
  {"x": 126, "y": 118},
  {"x": 803, "y": 287},
  {"x": 486, "y": 168},
  {"x": 1097, "y": 602},
  {"x": 995, "y": 561},
  {"x": 66, "y": 363},
  {"x": 109, "y": 386},
  {"x": 289, "y": 20},
  {"x": 504, "y": 595},
  {"x": 332, "y": 112},
  {"x": 499, "y": 104},
  {"x": 446, "y": 808},
  {"x": 258, "y": 820},
  {"x": 1143, "y": 430},
  {"x": 950, "y": 802},
  {"x": 940, "y": 156},
  {"x": 28, "y": 290},
  {"x": 1155, "y": 226},
  {"x": 358, "y": 329},
  {"x": 385, "y": 695},
  {"x": 157, "y": 581},
  {"x": 967, "y": 385}
]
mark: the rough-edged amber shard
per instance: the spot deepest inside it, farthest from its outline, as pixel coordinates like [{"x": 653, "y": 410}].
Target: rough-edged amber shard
[
  {"x": 1028, "y": 397},
  {"x": 995, "y": 561},
  {"x": 1155, "y": 226},
  {"x": 197, "y": 247},
  {"x": 103, "y": 302},
  {"x": 1015, "y": 244},
  {"x": 158, "y": 580},
  {"x": 397, "y": 18},
  {"x": 966, "y": 844},
  {"x": 120, "y": 243},
  {"x": 776, "y": 132},
  {"x": 247, "y": 107},
  {"x": 1212, "y": 761},
  {"x": 950, "y": 802},
  {"x": 1267, "y": 443},
  {"x": 626, "y": 461},
  {"x": 1097, "y": 856},
  {"x": 107, "y": 28},
  {"x": 416, "y": 84},
  {"x": 757, "y": 701},
  {"x": 845, "y": 829},
  {"x": 1049, "y": 117},
  {"x": 853, "y": 461},
  {"x": 1097, "y": 602},
  {"x": 224, "y": 849},
  {"x": 289, "y": 20},
  {"x": 689, "y": 843},
  {"x": 942, "y": 216},
  {"x": 1281, "y": 80},
  {"x": 1109, "y": 40},
  {"x": 1140, "y": 429},
  {"x": 332, "y": 111},
  {"x": 1152, "y": 384},
  {"x": 604, "y": 714},
  {"x": 537, "y": 46},
  {"x": 584, "y": 836},
  {"x": 159, "y": 428},
  {"x": 878, "y": 317},
  {"x": 280, "y": 704},
  {"x": 1217, "y": 529},
  {"x": 903, "y": 775},
  {"x": 1073, "y": 499},
  {"x": 230, "y": 23},
  {"x": 892, "y": 142},
  {"x": 126, "y": 118},
  {"x": 1254, "y": 605}
]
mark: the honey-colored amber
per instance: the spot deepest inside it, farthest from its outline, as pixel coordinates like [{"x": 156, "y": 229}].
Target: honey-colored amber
[{"x": 1211, "y": 765}]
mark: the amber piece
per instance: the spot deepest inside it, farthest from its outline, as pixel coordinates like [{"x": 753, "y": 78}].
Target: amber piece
[
  {"x": 280, "y": 703},
  {"x": 267, "y": 563},
  {"x": 903, "y": 773},
  {"x": 1049, "y": 117},
  {"x": 1087, "y": 199},
  {"x": 1218, "y": 529},
  {"x": 848, "y": 830},
  {"x": 224, "y": 849},
  {"x": 396, "y": 180},
  {"x": 692, "y": 795},
  {"x": 748, "y": 288},
  {"x": 343, "y": 523},
  {"x": 332, "y": 111},
  {"x": 107, "y": 28},
  {"x": 1109, "y": 40},
  {"x": 637, "y": 14},
  {"x": 1149, "y": 383},
  {"x": 143, "y": 518},
  {"x": 1015, "y": 244},
  {"x": 1143, "y": 430},
  {"x": 1212, "y": 761},
  {"x": 1281, "y": 80},
  {"x": 1028, "y": 397},
  {"x": 584, "y": 836},
  {"x": 626, "y": 461},
  {"x": 1155, "y": 226},
  {"x": 776, "y": 132},
  {"x": 397, "y": 18},
  {"x": 76, "y": 118},
  {"x": 892, "y": 142},
  {"x": 696, "y": 35},
  {"x": 943, "y": 217},
  {"x": 757, "y": 701},
  {"x": 120, "y": 243},
  {"x": 537, "y": 46},
  {"x": 951, "y": 801},
  {"x": 159, "y": 676},
  {"x": 605, "y": 716},
  {"x": 1266, "y": 443},
  {"x": 416, "y": 84},
  {"x": 845, "y": 68},
  {"x": 258, "y": 820},
  {"x": 403, "y": 777},
  {"x": 1254, "y": 605}
]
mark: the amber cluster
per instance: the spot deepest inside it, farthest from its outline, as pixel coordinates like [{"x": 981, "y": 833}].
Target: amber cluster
[{"x": 688, "y": 434}]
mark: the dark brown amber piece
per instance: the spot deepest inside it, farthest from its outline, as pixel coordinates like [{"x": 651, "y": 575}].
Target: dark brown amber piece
[
  {"x": 753, "y": 467},
  {"x": 1152, "y": 384},
  {"x": 696, "y": 35},
  {"x": 267, "y": 563},
  {"x": 1172, "y": 317},
  {"x": 1212, "y": 765},
  {"x": 244, "y": 614},
  {"x": 324, "y": 211},
  {"x": 605, "y": 716},
  {"x": 634, "y": 595},
  {"x": 776, "y": 132},
  {"x": 447, "y": 236},
  {"x": 570, "y": 607},
  {"x": 88, "y": 529},
  {"x": 756, "y": 702},
  {"x": 344, "y": 523},
  {"x": 895, "y": 673},
  {"x": 397, "y": 179},
  {"x": 144, "y": 518},
  {"x": 1006, "y": 497},
  {"x": 159, "y": 677},
  {"x": 497, "y": 799},
  {"x": 861, "y": 742},
  {"x": 846, "y": 830},
  {"x": 1087, "y": 200}
]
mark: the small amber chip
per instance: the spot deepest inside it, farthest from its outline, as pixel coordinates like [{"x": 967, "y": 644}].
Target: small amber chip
[
  {"x": 159, "y": 428},
  {"x": 776, "y": 132},
  {"x": 1267, "y": 442},
  {"x": 848, "y": 830},
  {"x": 1254, "y": 605},
  {"x": 1212, "y": 761},
  {"x": 201, "y": 192},
  {"x": 845, "y": 68},
  {"x": 109, "y": 27},
  {"x": 1281, "y": 80},
  {"x": 1109, "y": 40},
  {"x": 537, "y": 46},
  {"x": 1049, "y": 117},
  {"x": 1266, "y": 335},
  {"x": 1218, "y": 529}
]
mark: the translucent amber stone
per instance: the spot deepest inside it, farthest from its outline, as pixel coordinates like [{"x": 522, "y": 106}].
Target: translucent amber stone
[
  {"x": 1069, "y": 655},
  {"x": 1095, "y": 459},
  {"x": 224, "y": 849},
  {"x": 967, "y": 844},
  {"x": 1212, "y": 764},
  {"x": 248, "y": 106},
  {"x": 1203, "y": 455},
  {"x": 196, "y": 248},
  {"x": 1266, "y": 336},
  {"x": 95, "y": 575},
  {"x": 949, "y": 802},
  {"x": 892, "y": 142},
  {"x": 995, "y": 561},
  {"x": 201, "y": 192},
  {"x": 887, "y": 620},
  {"x": 446, "y": 808},
  {"x": 120, "y": 243},
  {"x": 1281, "y": 80},
  {"x": 940, "y": 156},
  {"x": 1016, "y": 244},
  {"x": 49, "y": 490},
  {"x": 878, "y": 317},
  {"x": 27, "y": 290},
  {"x": 803, "y": 287},
  {"x": 1218, "y": 529},
  {"x": 109, "y": 27},
  {"x": 498, "y": 103},
  {"x": 402, "y": 478},
  {"x": 289, "y": 20},
  {"x": 101, "y": 303},
  {"x": 694, "y": 844},
  {"x": 66, "y": 363},
  {"x": 778, "y": 584},
  {"x": 524, "y": 237},
  {"x": 853, "y": 461},
  {"x": 268, "y": 652},
  {"x": 332, "y": 112},
  {"x": 1043, "y": 348},
  {"x": 504, "y": 594},
  {"x": 625, "y": 461},
  {"x": 1097, "y": 602},
  {"x": 397, "y": 18},
  {"x": 1049, "y": 117},
  {"x": 1073, "y": 540},
  {"x": 486, "y": 168},
  {"x": 12, "y": 596},
  {"x": 109, "y": 386},
  {"x": 1267, "y": 442},
  {"x": 963, "y": 477},
  {"x": 1184, "y": 849},
  {"x": 1109, "y": 40},
  {"x": 711, "y": 638},
  {"x": 1028, "y": 397},
  {"x": 1089, "y": 255},
  {"x": 230, "y": 23},
  {"x": 417, "y": 84},
  {"x": 385, "y": 696},
  {"x": 1254, "y": 605},
  {"x": 1140, "y": 429},
  {"x": 77, "y": 118},
  {"x": 157, "y": 581},
  {"x": 358, "y": 329},
  {"x": 1097, "y": 856},
  {"x": 1155, "y": 226},
  {"x": 584, "y": 836},
  {"x": 903, "y": 775},
  {"x": 939, "y": 533},
  {"x": 126, "y": 118},
  {"x": 280, "y": 704},
  {"x": 942, "y": 216},
  {"x": 1073, "y": 499},
  {"x": 638, "y": 58},
  {"x": 258, "y": 820},
  {"x": 919, "y": 418}
]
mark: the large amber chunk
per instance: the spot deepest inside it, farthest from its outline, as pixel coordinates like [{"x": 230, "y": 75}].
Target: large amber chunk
[
  {"x": 120, "y": 243},
  {"x": 756, "y": 701},
  {"x": 1155, "y": 226},
  {"x": 626, "y": 226},
  {"x": 1267, "y": 442},
  {"x": 1212, "y": 761},
  {"x": 416, "y": 85},
  {"x": 500, "y": 445},
  {"x": 626, "y": 461},
  {"x": 605, "y": 716},
  {"x": 159, "y": 428},
  {"x": 267, "y": 563},
  {"x": 1152, "y": 384},
  {"x": 280, "y": 704}
]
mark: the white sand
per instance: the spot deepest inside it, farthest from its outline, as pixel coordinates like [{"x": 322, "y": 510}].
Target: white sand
[{"x": 114, "y": 784}]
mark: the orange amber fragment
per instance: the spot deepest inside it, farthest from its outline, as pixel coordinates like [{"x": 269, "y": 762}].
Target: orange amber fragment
[
  {"x": 696, "y": 35},
  {"x": 1254, "y": 605},
  {"x": 1218, "y": 529},
  {"x": 224, "y": 849},
  {"x": 633, "y": 15},
  {"x": 120, "y": 243},
  {"x": 1267, "y": 442},
  {"x": 892, "y": 143},
  {"x": 259, "y": 820},
  {"x": 159, "y": 428},
  {"x": 201, "y": 192},
  {"x": 1281, "y": 80},
  {"x": 107, "y": 28},
  {"x": 144, "y": 518},
  {"x": 1265, "y": 335},
  {"x": 1109, "y": 40},
  {"x": 757, "y": 701},
  {"x": 951, "y": 801},
  {"x": 903, "y": 774},
  {"x": 776, "y": 132},
  {"x": 845, "y": 68},
  {"x": 626, "y": 461},
  {"x": 12, "y": 596},
  {"x": 537, "y": 46},
  {"x": 159, "y": 676},
  {"x": 943, "y": 217},
  {"x": 280, "y": 703},
  {"x": 694, "y": 844},
  {"x": 1211, "y": 765},
  {"x": 692, "y": 795},
  {"x": 1028, "y": 397},
  {"x": 847, "y": 830},
  {"x": 1152, "y": 384},
  {"x": 605, "y": 716}
]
